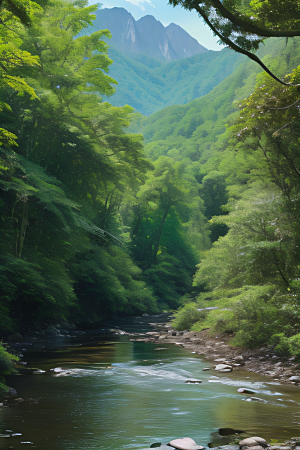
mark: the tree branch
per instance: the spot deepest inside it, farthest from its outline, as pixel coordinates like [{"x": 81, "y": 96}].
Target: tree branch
[
  {"x": 239, "y": 49},
  {"x": 249, "y": 27}
]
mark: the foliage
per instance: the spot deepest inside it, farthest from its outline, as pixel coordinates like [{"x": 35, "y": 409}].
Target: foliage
[
  {"x": 63, "y": 185},
  {"x": 186, "y": 317},
  {"x": 244, "y": 25},
  {"x": 287, "y": 346},
  {"x": 150, "y": 87},
  {"x": 7, "y": 362},
  {"x": 108, "y": 283}
]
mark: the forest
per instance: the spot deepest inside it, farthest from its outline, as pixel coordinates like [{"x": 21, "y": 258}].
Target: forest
[{"x": 107, "y": 213}]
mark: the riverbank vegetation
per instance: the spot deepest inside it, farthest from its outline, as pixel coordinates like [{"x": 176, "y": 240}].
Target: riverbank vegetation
[
  {"x": 97, "y": 223},
  {"x": 251, "y": 275}
]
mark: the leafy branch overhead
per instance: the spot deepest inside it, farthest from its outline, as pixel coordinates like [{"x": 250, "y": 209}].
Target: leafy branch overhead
[{"x": 243, "y": 25}]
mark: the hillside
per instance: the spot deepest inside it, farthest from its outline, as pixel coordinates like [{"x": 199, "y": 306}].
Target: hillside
[
  {"x": 158, "y": 66},
  {"x": 192, "y": 130},
  {"x": 149, "y": 86}
]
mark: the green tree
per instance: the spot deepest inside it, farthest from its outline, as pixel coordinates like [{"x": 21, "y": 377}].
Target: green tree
[{"x": 243, "y": 25}]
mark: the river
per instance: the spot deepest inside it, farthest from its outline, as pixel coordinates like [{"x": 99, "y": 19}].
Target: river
[{"x": 113, "y": 393}]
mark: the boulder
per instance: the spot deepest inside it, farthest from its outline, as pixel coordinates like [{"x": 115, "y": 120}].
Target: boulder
[
  {"x": 223, "y": 368},
  {"x": 295, "y": 378},
  {"x": 185, "y": 443},
  {"x": 253, "y": 442}
]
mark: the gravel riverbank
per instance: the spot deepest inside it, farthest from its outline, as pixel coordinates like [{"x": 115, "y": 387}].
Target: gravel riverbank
[{"x": 216, "y": 350}]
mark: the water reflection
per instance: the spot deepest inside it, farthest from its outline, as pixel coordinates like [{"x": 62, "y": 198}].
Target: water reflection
[{"x": 115, "y": 394}]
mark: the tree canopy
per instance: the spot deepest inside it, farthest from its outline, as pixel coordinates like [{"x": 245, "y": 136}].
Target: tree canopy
[{"x": 243, "y": 25}]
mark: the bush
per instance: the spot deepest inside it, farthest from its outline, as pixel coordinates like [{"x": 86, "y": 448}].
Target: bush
[
  {"x": 254, "y": 322},
  {"x": 294, "y": 345},
  {"x": 7, "y": 363},
  {"x": 187, "y": 316},
  {"x": 219, "y": 320},
  {"x": 282, "y": 345}
]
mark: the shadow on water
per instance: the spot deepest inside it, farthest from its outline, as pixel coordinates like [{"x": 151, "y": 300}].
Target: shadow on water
[{"x": 110, "y": 393}]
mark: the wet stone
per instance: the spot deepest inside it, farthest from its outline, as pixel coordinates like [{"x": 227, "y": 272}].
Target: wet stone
[
  {"x": 185, "y": 443},
  {"x": 253, "y": 441},
  {"x": 223, "y": 367},
  {"x": 279, "y": 447}
]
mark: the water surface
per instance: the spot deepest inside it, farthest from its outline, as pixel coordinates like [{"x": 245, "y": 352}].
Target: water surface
[{"x": 114, "y": 393}]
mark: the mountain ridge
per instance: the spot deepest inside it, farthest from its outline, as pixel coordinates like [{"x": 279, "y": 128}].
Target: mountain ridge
[
  {"x": 146, "y": 35},
  {"x": 149, "y": 86}
]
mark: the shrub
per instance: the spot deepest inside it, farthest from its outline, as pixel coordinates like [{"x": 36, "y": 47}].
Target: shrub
[
  {"x": 7, "y": 363},
  {"x": 187, "y": 316},
  {"x": 282, "y": 344},
  {"x": 219, "y": 320},
  {"x": 294, "y": 345}
]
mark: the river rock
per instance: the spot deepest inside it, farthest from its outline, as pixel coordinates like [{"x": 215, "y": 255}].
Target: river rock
[
  {"x": 239, "y": 359},
  {"x": 194, "y": 381},
  {"x": 279, "y": 447},
  {"x": 227, "y": 447},
  {"x": 223, "y": 368},
  {"x": 257, "y": 399},
  {"x": 244, "y": 391},
  {"x": 295, "y": 378},
  {"x": 185, "y": 443},
  {"x": 254, "y": 447},
  {"x": 162, "y": 447},
  {"x": 253, "y": 442},
  {"x": 57, "y": 370},
  {"x": 12, "y": 391}
]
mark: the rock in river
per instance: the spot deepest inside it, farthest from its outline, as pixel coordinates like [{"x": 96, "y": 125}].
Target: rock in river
[
  {"x": 223, "y": 368},
  {"x": 193, "y": 381},
  {"x": 245, "y": 391},
  {"x": 253, "y": 442},
  {"x": 185, "y": 443}
]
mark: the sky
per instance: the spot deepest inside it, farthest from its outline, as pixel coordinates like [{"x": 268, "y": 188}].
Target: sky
[{"x": 167, "y": 14}]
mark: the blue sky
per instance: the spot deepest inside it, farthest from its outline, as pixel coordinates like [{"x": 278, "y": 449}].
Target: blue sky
[{"x": 166, "y": 14}]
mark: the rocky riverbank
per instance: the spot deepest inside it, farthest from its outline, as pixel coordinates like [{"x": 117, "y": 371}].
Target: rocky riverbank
[
  {"x": 217, "y": 351},
  {"x": 251, "y": 443}
]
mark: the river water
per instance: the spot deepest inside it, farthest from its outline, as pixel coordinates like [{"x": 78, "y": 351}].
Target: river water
[{"x": 113, "y": 393}]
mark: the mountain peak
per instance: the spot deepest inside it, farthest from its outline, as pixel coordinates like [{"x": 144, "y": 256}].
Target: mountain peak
[{"x": 146, "y": 35}]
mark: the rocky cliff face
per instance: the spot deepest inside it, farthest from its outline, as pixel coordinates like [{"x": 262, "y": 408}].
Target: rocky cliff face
[{"x": 146, "y": 35}]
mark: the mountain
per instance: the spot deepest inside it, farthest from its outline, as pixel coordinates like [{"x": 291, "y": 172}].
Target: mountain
[
  {"x": 157, "y": 66},
  {"x": 146, "y": 35},
  {"x": 149, "y": 86},
  {"x": 196, "y": 130}
]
